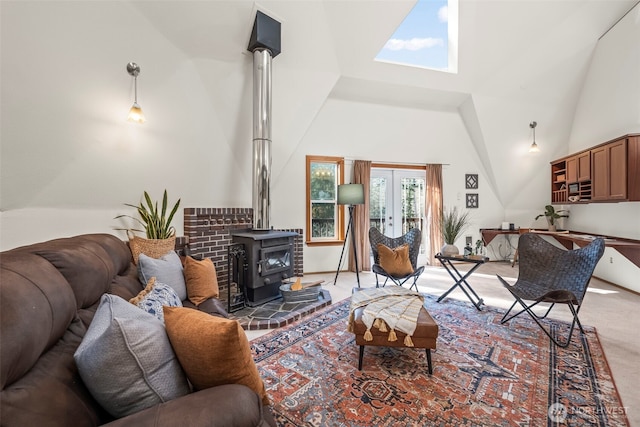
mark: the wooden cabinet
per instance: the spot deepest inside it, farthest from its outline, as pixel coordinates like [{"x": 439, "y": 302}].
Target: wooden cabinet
[
  {"x": 572, "y": 169},
  {"x": 609, "y": 165},
  {"x": 633, "y": 167},
  {"x": 608, "y": 172},
  {"x": 618, "y": 170},
  {"x": 600, "y": 173},
  {"x": 579, "y": 168},
  {"x": 583, "y": 161}
]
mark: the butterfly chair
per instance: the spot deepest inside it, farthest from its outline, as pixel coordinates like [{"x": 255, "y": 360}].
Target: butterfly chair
[
  {"x": 549, "y": 274},
  {"x": 394, "y": 249}
]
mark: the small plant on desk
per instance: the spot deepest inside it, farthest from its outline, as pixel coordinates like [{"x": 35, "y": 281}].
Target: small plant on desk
[
  {"x": 551, "y": 215},
  {"x": 479, "y": 249}
]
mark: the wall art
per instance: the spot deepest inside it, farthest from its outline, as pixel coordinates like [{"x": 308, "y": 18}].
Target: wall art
[
  {"x": 472, "y": 200},
  {"x": 471, "y": 180}
]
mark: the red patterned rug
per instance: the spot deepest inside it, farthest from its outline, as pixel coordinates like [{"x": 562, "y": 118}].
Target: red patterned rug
[{"x": 485, "y": 374}]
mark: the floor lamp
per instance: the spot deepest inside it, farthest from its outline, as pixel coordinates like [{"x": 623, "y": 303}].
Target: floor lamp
[{"x": 350, "y": 194}]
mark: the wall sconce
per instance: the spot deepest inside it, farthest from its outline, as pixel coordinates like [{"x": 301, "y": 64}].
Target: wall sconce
[
  {"x": 534, "y": 147},
  {"x": 135, "y": 113}
]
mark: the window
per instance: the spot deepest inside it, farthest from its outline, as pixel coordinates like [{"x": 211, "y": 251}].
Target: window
[
  {"x": 427, "y": 38},
  {"x": 325, "y": 221}
]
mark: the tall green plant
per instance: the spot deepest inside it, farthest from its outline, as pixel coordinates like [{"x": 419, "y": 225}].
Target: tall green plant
[
  {"x": 156, "y": 223},
  {"x": 453, "y": 223}
]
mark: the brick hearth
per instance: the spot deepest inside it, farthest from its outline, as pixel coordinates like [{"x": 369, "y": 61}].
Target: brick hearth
[
  {"x": 208, "y": 234},
  {"x": 276, "y": 314}
]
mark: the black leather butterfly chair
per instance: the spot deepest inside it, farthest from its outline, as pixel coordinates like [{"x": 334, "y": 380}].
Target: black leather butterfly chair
[
  {"x": 549, "y": 274},
  {"x": 411, "y": 238}
]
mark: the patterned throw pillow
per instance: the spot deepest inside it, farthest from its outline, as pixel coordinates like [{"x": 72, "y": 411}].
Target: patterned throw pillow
[
  {"x": 212, "y": 350},
  {"x": 395, "y": 261},
  {"x": 167, "y": 269},
  {"x": 154, "y": 297},
  {"x": 126, "y": 360}
]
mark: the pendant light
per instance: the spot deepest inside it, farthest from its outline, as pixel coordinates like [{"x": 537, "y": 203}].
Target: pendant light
[
  {"x": 135, "y": 113},
  {"x": 534, "y": 147}
]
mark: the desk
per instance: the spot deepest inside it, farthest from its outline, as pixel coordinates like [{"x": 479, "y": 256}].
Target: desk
[
  {"x": 629, "y": 248},
  {"x": 461, "y": 280},
  {"x": 488, "y": 234}
]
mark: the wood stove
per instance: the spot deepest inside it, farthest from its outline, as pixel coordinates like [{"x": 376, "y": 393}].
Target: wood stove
[{"x": 269, "y": 255}]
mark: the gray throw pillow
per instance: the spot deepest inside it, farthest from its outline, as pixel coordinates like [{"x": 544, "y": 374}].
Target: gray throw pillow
[
  {"x": 126, "y": 360},
  {"x": 167, "y": 269}
]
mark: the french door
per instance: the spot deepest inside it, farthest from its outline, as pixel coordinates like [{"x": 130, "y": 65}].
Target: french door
[{"x": 396, "y": 201}]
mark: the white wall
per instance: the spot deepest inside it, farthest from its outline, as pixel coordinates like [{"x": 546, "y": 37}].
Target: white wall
[
  {"x": 609, "y": 106},
  {"x": 383, "y": 133},
  {"x": 69, "y": 158}
]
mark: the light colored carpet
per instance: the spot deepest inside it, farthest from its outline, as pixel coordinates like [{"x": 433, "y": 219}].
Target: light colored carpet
[{"x": 612, "y": 310}]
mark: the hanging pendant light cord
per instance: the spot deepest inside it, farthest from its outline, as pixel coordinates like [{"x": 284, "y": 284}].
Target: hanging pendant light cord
[
  {"x": 135, "y": 95},
  {"x": 533, "y": 125}
]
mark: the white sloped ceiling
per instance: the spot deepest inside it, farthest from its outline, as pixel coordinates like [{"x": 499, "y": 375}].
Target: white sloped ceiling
[{"x": 518, "y": 61}]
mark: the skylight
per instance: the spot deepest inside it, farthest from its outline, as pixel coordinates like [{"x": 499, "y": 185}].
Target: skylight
[{"x": 427, "y": 38}]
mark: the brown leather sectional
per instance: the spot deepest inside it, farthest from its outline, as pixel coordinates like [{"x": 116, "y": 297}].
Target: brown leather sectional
[{"x": 49, "y": 293}]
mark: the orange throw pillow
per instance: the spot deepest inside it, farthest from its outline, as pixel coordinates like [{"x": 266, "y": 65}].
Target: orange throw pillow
[
  {"x": 395, "y": 261},
  {"x": 212, "y": 351},
  {"x": 201, "y": 280}
]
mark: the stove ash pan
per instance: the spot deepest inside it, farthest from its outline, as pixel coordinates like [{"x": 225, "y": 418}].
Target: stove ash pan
[{"x": 269, "y": 256}]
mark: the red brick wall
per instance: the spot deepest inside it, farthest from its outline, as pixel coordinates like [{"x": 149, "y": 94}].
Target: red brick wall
[{"x": 208, "y": 233}]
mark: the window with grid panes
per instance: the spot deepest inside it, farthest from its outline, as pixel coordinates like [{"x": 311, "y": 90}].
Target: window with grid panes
[{"x": 325, "y": 219}]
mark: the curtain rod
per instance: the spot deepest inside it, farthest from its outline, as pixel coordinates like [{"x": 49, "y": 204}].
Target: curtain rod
[{"x": 347, "y": 159}]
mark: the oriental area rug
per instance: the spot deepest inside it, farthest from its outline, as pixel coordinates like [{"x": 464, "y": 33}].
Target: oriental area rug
[{"x": 484, "y": 374}]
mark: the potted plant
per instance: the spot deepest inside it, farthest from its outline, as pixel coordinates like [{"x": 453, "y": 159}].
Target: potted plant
[
  {"x": 551, "y": 215},
  {"x": 156, "y": 224},
  {"x": 479, "y": 245},
  {"x": 452, "y": 224}
]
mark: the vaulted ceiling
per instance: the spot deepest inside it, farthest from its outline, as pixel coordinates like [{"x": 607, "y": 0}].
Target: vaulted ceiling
[{"x": 518, "y": 61}]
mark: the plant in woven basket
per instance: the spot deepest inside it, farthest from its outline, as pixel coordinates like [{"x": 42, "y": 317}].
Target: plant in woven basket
[
  {"x": 452, "y": 224},
  {"x": 155, "y": 221}
]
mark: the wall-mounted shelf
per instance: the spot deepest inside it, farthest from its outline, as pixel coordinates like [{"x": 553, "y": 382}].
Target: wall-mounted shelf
[
  {"x": 609, "y": 172},
  {"x": 559, "y": 182}
]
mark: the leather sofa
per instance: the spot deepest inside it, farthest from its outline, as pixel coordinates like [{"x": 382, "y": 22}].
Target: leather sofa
[{"x": 49, "y": 293}]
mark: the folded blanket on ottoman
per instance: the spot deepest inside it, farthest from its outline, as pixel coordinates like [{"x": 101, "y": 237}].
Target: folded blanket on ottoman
[{"x": 393, "y": 308}]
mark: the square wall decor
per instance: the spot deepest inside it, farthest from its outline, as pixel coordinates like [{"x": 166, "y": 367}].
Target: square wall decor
[
  {"x": 472, "y": 200},
  {"x": 471, "y": 180}
]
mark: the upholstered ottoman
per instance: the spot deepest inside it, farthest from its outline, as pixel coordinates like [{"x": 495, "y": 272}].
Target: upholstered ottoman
[{"x": 425, "y": 335}]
